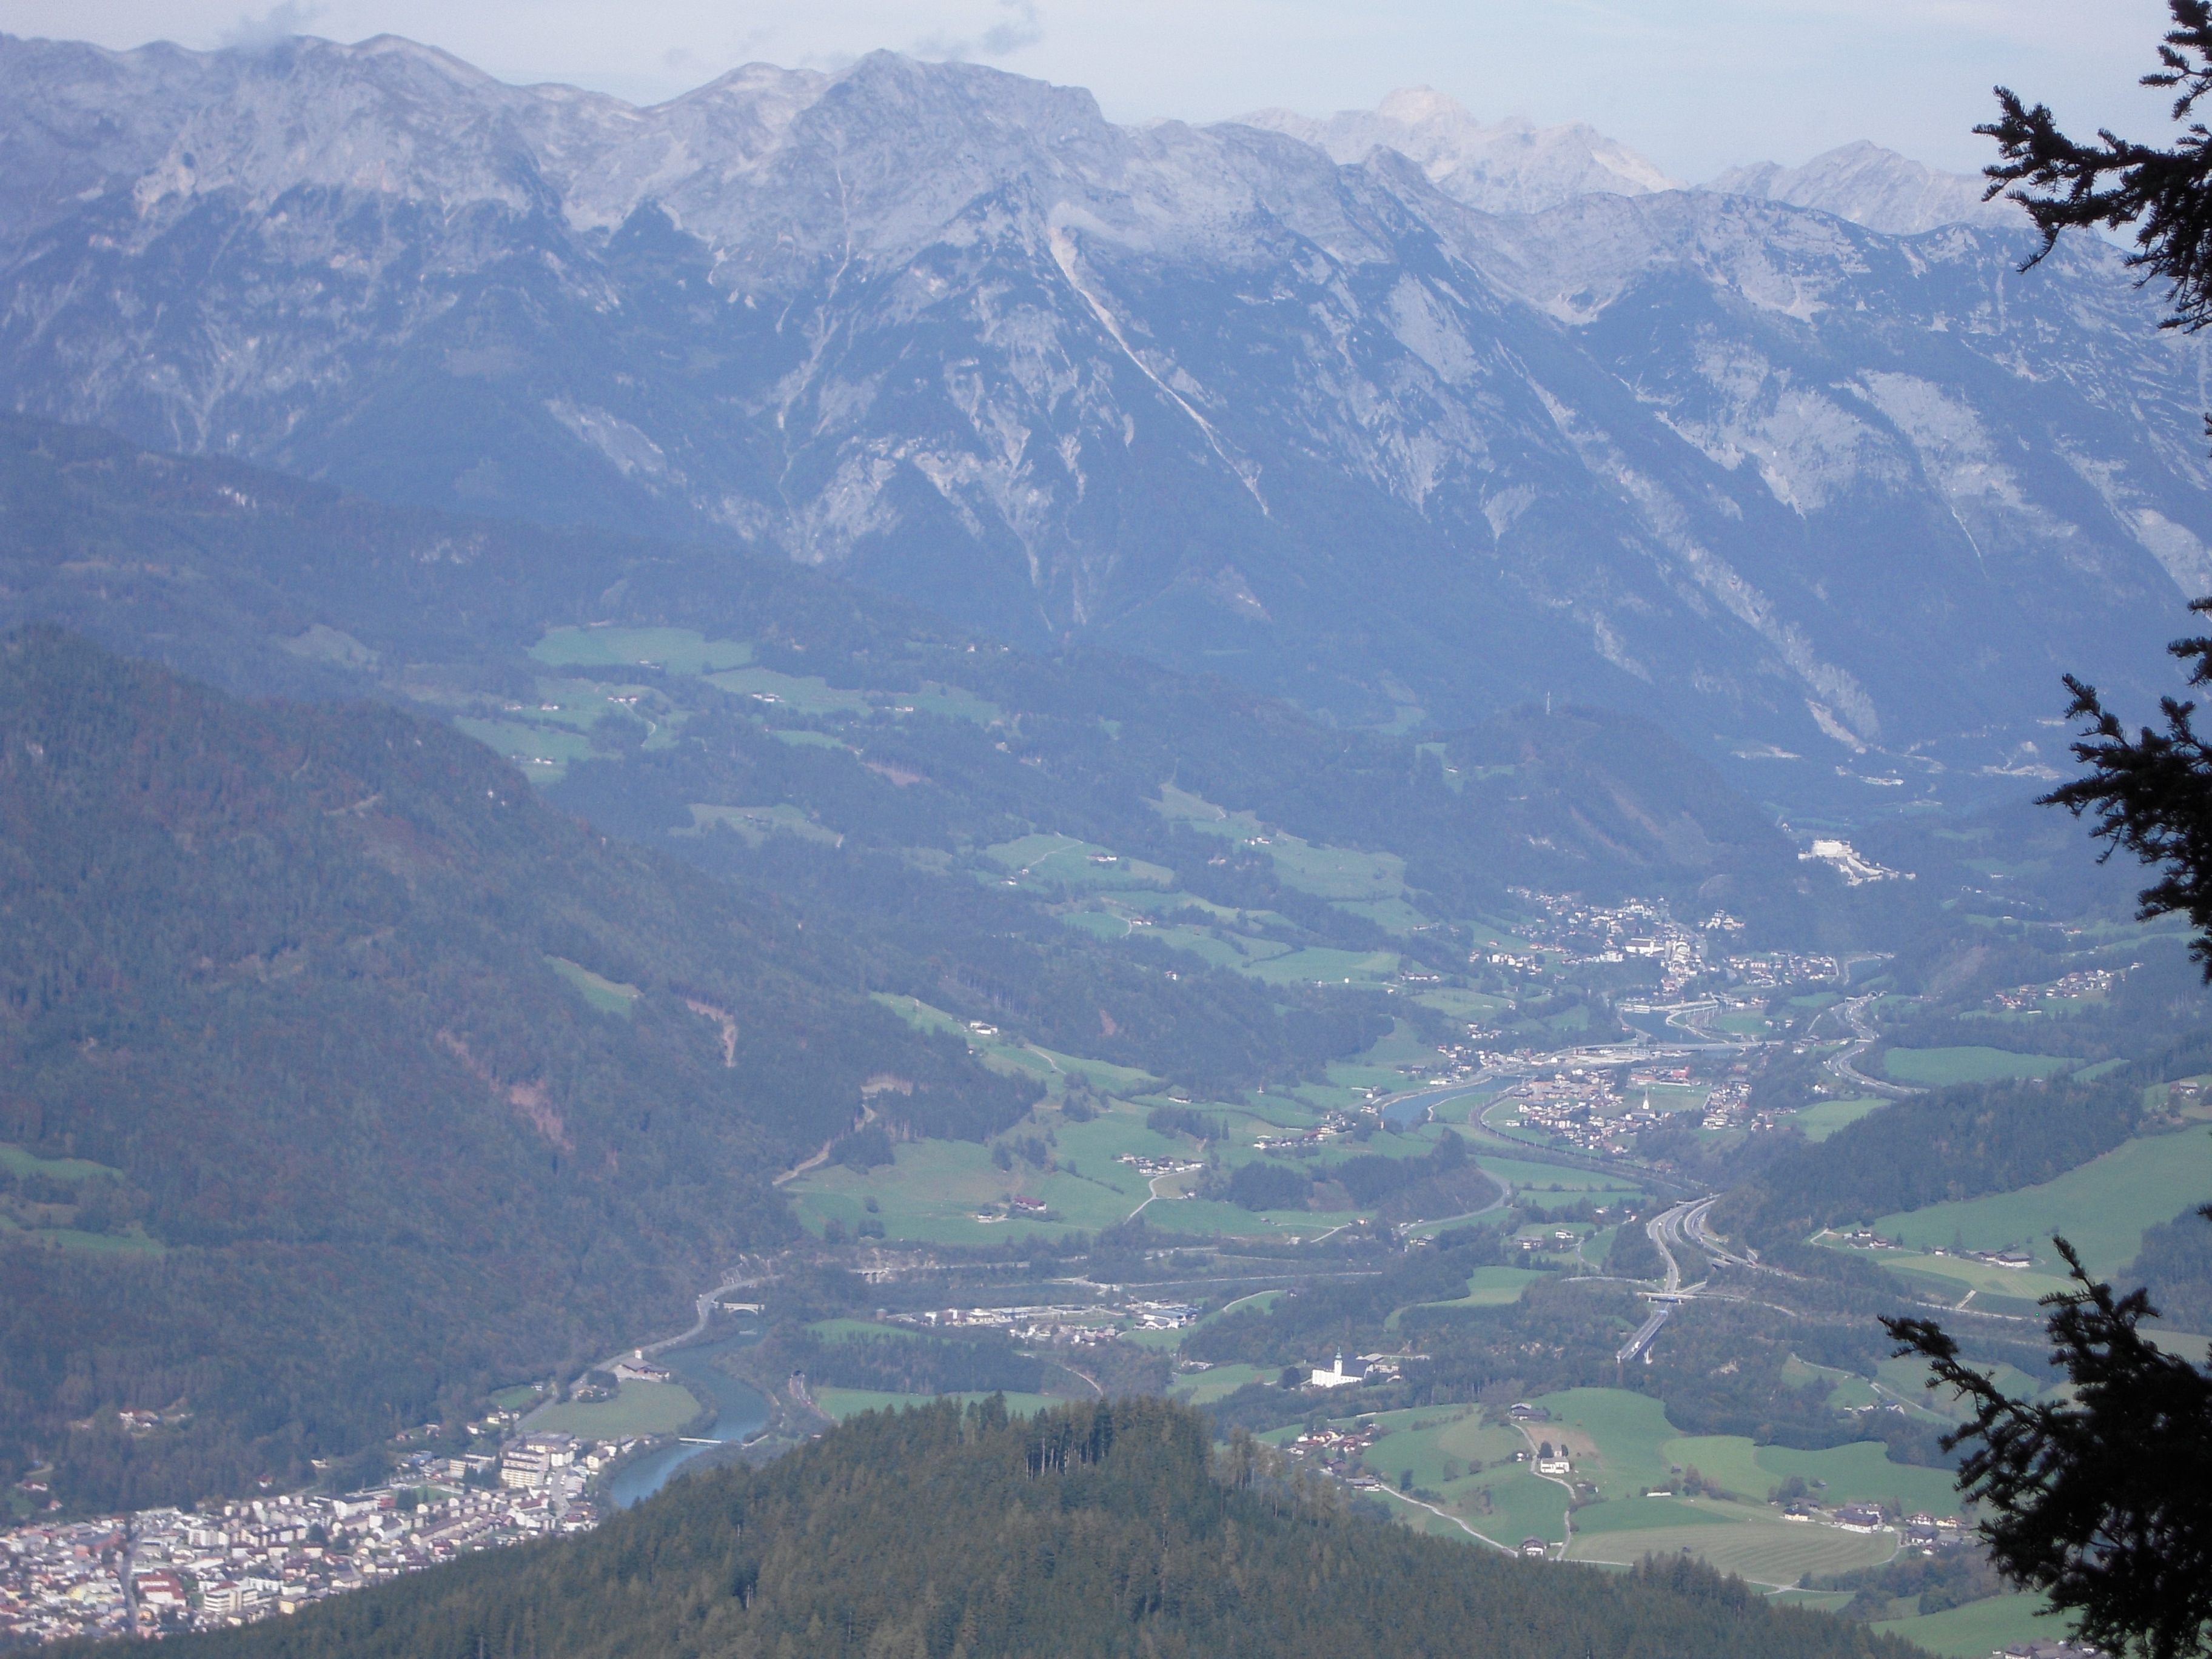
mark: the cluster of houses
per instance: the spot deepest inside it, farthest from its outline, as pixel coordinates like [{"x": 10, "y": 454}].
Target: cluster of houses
[
  {"x": 2084, "y": 982},
  {"x": 1160, "y": 1166},
  {"x": 165, "y": 1571},
  {"x": 1055, "y": 1323},
  {"x": 1729, "y": 1104},
  {"x": 1773, "y": 970},
  {"x": 1570, "y": 932},
  {"x": 1579, "y": 1106}
]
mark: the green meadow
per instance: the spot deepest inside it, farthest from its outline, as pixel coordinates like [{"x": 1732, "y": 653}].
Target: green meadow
[
  {"x": 677, "y": 650},
  {"x": 636, "y": 1408},
  {"x": 842, "y": 1403},
  {"x": 1987, "y": 1627},
  {"x": 607, "y": 995},
  {"x": 1938, "y": 1068},
  {"x": 1818, "y": 1122},
  {"x": 2101, "y": 1208},
  {"x": 21, "y": 1161}
]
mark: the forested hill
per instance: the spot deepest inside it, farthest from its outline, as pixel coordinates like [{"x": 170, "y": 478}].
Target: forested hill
[
  {"x": 338, "y": 1072},
  {"x": 265, "y": 584},
  {"x": 1092, "y": 1532}
]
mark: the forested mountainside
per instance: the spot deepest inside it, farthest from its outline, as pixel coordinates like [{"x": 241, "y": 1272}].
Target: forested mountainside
[
  {"x": 913, "y": 740},
  {"x": 1094, "y": 1531},
  {"x": 1810, "y": 494},
  {"x": 338, "y": 1075},
  {"x": 266, "y": 584}
]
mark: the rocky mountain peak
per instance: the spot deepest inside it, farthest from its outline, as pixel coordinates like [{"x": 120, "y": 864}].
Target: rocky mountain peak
[
  {"x": 1511, "y": 166},
  {"x": 1875, "y": 187}
]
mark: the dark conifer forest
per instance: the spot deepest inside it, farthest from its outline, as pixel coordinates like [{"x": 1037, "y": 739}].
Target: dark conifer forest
[{"x": 1091, "y": 1531}]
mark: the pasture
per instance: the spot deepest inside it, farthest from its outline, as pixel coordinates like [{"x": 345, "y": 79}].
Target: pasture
[
  {"x": 1990, "y": 1625},
  {"x": 21, "y": 1161},
  {"x": 607, "y": 995},
  {"x": 2101, "y": 1208},
  {"x": 842, "y": 1403},
  {"x": 542, "y": 752},
  {"x": 1064, "y": 861},
  {"x": 1767, "y": 1551},
  {"x": 675, "y": 650},
  {"x": 1939, "y": 1068},
  {"x": 1818, "y": 1122},
  {"x": 754, "y": 824},
  {"x": 636, "y": 1408},
  {"x": 797, "y": 694}
]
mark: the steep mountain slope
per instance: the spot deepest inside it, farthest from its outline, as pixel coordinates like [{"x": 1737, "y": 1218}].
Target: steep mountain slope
[
  {"x": 1784, "y": 483},
  {"x": 273, "y": 586},
  {"x": 1090, "y": 1531},
  {"x": 340, "y": 1074}
]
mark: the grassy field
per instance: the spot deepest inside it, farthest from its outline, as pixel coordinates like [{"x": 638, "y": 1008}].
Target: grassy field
[
  {"x": 678, "y": 650},
  {"x": 1981, "y": 1627},
  {"x": 1819, "y": 1122},
  {"x": 1774, "y": 1552},
  {"x": 1949, "y": 1278},
  {"x": 607, "y": 995},
  {"x": 1064, "y": 861},
  {"x": 799, "y": 694},
  {"x": 1542, "y": 1179},
  {"x": 84, "y": 1243},
  {"x": 757, "y": 823},
  {"x": 21, "y": 1161},
  {"x": 518, "y": 1396},
  {"x": 1937, "y": 1068},
  {"x": 1336, "y": 873},
  {"x": 1486, "y": 1287},
  {"x": 842, "y": 1403},
  {"x": 1317, "y": 963},
  {"x": 1392, "y": 915},
  {"x": 2101, "y": 1208},
  {"x": 542, "y": 752},
  {"x": 1204, "y": 1388},
  {"x": 953, "y": 703},
  {"x": 1859, "y": 1472},
  {"x": 636, "y": 1408}
]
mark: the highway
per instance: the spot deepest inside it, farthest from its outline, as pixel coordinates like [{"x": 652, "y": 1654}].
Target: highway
[
  {"x": 1853, "y": 1013},
  {"x": 1683, "y": 1227}
]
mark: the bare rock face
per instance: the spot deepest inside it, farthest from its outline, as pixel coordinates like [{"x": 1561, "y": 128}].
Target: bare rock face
[
  {"x": 1512, "y": 166},
  {"x": 1877, "y": 188},
  {"x": 1393, "y": 405}
]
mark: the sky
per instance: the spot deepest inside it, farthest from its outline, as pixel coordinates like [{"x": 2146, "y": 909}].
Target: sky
[{"x": 1696, "y": 85}]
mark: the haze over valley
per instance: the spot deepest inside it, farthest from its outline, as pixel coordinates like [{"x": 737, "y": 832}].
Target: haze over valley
[{"x": 1320, "y": 826}]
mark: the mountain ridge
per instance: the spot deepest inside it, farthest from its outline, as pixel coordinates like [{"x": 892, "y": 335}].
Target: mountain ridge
[{"x": 1201, "y": 393}]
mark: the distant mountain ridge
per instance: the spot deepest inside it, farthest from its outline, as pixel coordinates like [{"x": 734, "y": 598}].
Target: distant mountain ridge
[
  {"x": 1511, "y": 166},
  {"x": 1877, "y": 188},
  {"x": 1793, "y": 486}
]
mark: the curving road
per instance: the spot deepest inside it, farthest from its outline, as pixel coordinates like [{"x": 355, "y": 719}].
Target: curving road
[{"x": 1853, "y": 1012}]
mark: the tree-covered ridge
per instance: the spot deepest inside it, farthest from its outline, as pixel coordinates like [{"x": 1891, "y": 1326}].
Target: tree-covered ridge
[
  {"x": 305, "y": 979},
  {"x": 222, "y": 570},
  {"x": 1099, "y": 1529},
  {"x": 1953, "y": 1144}
]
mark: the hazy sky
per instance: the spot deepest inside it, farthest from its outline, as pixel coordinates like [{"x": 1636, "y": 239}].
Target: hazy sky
[{"x": 1696, "y": 85}]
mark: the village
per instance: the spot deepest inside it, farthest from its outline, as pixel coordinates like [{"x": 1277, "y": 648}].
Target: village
[
  {"x": 163, "y": 1572},
  {"x": 1078, "y": 1325}
]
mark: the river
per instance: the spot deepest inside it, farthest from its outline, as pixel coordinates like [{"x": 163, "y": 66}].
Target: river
[{"x": 743, "y": 1409}]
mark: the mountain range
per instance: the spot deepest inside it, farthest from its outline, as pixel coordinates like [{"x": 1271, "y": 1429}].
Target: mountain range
[{"x": 1399, "y": 416}]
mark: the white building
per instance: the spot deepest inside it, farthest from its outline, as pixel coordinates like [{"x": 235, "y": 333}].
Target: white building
[{"x": 1338, "y": 1378}]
